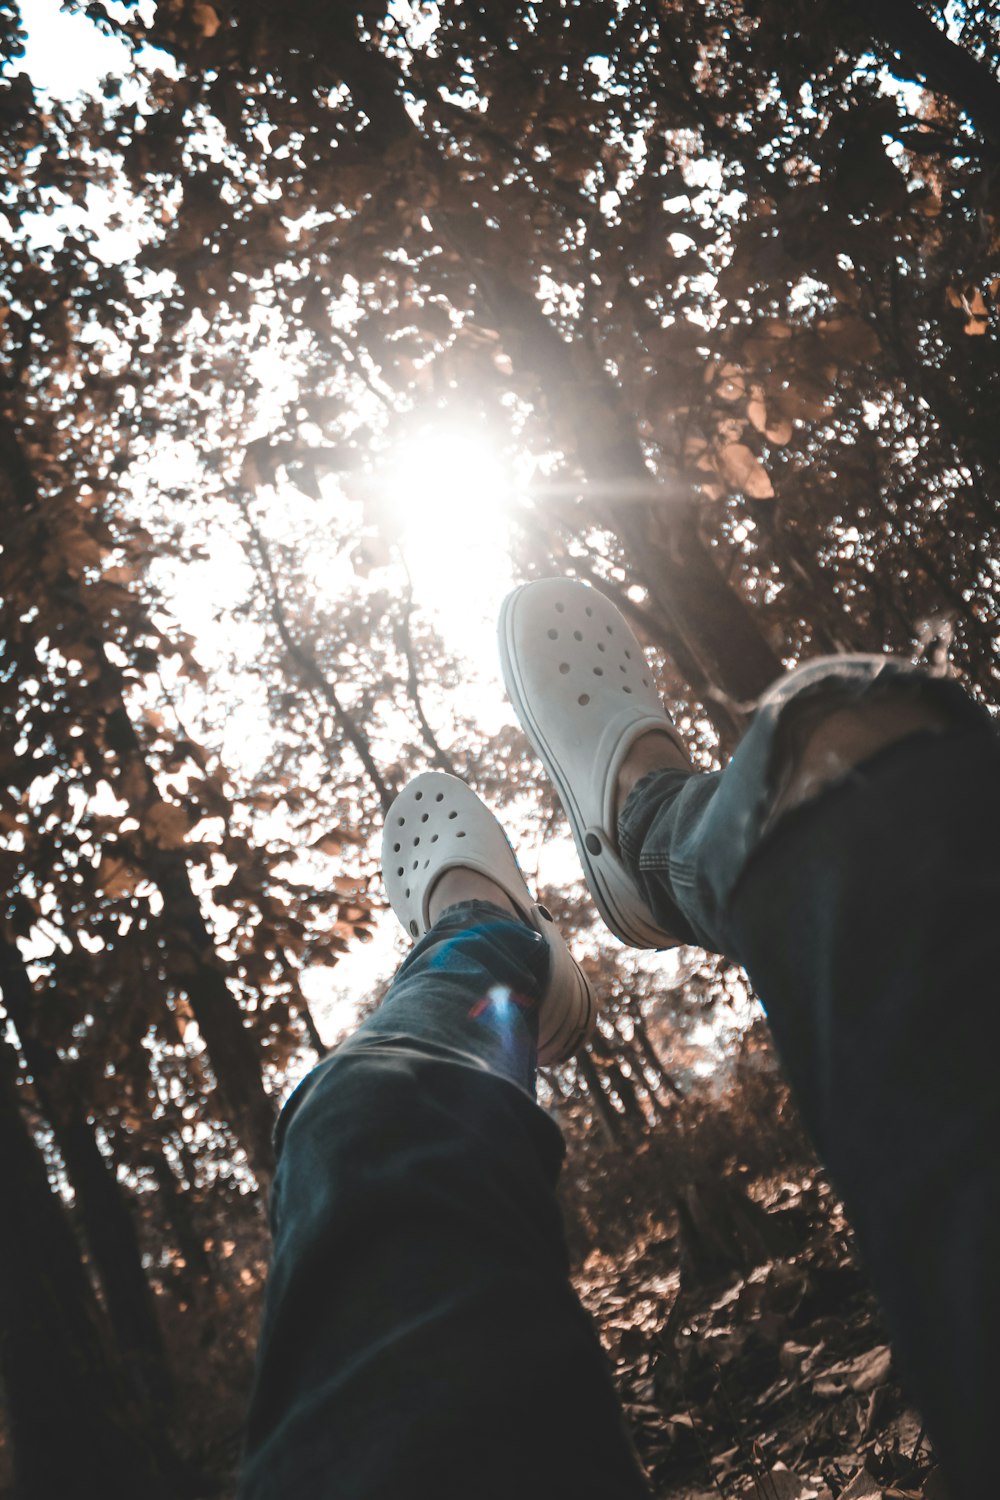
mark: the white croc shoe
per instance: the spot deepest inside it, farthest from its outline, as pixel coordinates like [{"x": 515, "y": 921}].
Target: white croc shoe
[
  {"x": 438, "y": 823},
  {"x": 583, "y": 691}
]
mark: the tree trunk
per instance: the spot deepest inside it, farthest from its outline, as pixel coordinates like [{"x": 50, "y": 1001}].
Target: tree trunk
[
  {"x": 723, "y": 1231},
  {"x": 625, "y": 1088},
  {"x": 651, "y": 1057},
  {"x": 101, "y": 1202},
  {"x": 196, "y": 1279},
  {"x": 608, "y": 1117},
  {"x": 192, "y": 961},
  {"x": 73, "y": 1428},
  {"x": 709, "y": 629}
]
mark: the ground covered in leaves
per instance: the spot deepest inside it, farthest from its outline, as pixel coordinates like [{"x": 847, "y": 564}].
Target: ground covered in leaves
[{"x": 775, "y": 1384}]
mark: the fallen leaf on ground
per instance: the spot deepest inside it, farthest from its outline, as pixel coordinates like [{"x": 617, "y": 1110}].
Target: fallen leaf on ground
[{"x": 862, "y": 1487}]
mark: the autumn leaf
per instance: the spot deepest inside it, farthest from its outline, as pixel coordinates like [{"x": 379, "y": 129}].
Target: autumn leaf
[
  {"x": 79, "y": 550},
  {"x": 742, "y": 470},
  {"x": 850, "y": 339},
  {"x": 166, "y": 825},
  {"x": 329, "y": 843},
  {"x": 776, "y": 427},
  {"x": 205, "y": 18},
  {"x": 116, "y": 877},
  {"x": 731, "y": 384}
]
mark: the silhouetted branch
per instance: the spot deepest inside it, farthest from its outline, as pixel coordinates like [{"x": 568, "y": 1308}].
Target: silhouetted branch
[
  {"x": 309, "y": 668},
  {"x": 404, "y": 635}
]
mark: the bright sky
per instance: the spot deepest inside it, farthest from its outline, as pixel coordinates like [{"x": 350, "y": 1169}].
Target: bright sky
[{"x": 67, "y": 55}]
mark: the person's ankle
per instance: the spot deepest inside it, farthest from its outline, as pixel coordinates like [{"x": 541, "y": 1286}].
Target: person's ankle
[
  {"x": 459, "y": 884},
  {"x": 654, "y": 751}
]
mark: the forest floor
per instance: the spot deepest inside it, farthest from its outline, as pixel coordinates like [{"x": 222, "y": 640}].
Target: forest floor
[{"x": 777, "y": 1384}]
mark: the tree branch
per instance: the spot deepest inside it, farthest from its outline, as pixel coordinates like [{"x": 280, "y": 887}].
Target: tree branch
[
  {"x": 308, "y": 667},
  {"x": 439, "y": 757},
  {"x": 911, "y": 37}
]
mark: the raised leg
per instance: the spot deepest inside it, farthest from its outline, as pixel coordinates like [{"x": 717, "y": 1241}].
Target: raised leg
[
  {"x": 851, "y": 865},
  {"x": 421, "y": 1335}
]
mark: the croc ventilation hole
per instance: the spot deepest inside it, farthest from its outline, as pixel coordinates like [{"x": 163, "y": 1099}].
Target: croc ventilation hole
[
  {"x": 630, "y": 668},
  {"x": 414, "y": 845}
]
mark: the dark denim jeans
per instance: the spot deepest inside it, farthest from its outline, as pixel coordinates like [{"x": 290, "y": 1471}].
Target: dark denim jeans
[{"x": 421, "y": 1337}]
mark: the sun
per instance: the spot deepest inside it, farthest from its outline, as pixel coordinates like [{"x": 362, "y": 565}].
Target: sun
[
  {"x": 452, "y": 493},
  {"x": 453, "y": 478}
]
